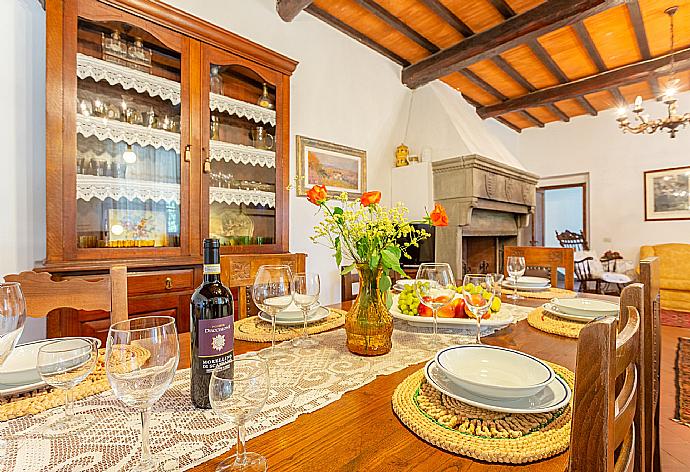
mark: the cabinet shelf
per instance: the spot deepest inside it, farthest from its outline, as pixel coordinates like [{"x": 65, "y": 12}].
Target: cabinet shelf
[
  {"x": 241, "y": 154},
  {"x": 119, "y": 131},
  {"x": 115, "y": 74},
  {"x": 242, "y": 109},
  {"x": 239, "y": 196},
  {"x": 101, "y": 188}
]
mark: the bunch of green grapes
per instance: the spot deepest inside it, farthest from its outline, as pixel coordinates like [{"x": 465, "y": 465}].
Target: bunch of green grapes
[{"x": 408, "y": 302}]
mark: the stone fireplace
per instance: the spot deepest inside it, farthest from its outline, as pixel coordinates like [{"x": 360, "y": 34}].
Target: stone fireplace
[{"x": 488, "y": 203}]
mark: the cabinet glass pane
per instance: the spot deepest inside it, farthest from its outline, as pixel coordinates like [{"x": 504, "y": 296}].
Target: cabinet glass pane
[
  {"x": 241, "y": 162},
  {"x": 128, "y": 138}
]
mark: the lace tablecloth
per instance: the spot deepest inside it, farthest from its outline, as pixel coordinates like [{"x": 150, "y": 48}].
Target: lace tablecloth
[{"x": 303, "y": 381}]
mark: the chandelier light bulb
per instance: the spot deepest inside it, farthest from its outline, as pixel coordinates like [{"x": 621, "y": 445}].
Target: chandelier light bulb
[{"x": 129, "y": 156}]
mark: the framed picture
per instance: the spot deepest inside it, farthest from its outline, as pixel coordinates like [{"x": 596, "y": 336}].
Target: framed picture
[
  {"x": 136, "y": 227},
  {"x": 339, "y": 168},
  {"x": 667, "y": 194}
]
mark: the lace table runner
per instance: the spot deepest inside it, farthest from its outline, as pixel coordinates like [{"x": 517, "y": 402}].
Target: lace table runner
[{"x": 303, "y": 381}]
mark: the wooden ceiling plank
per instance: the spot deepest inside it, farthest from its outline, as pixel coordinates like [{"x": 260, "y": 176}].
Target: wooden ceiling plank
[
  {"x": 353, "y": 33},
  {"x": 503, "y": 8},
  {"x": 532, "y": 118},
  {"x": 483, "y": 84},
  {"x": 544, "y": 18},
  {"x": 448, "y": 16},
  {"x": 515, "y": 75},
  {"x": 607, "y": 80},
  {"x": 558, "y": 112},
  {"x": 586, "y": 39},
  {"x": 397, "y": 24},
  {"x": 510, "y": 125},
  {"x": 638, "y": 25},
  {"x": 289, "y": 9}
]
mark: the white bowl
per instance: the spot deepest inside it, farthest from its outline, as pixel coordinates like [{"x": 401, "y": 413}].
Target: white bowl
[
  {"x": 20, "y": 367},
  {"x": 494, "y": 372}
]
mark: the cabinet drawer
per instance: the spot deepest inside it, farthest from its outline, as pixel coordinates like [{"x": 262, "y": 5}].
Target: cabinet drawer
[{"x": 143, "y": 283}]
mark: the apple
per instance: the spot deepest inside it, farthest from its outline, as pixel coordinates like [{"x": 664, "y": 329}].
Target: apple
[
  {"x": 460, "y": 308},
  {"x": 447, "y": 311},
  {"x": 423, "y": 310}
]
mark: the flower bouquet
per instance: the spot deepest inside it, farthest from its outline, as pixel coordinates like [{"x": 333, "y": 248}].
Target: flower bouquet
[{"x": 372, "y": 239}]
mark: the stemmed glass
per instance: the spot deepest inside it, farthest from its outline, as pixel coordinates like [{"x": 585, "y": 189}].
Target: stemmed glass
[
  {"x": 434, "y": 288},
  {"x": 305, "y": 293},
  {"x": 478, "y": 291},
  {"x": 237, "y": 391},
  {"x": 12, "y": 317},
  {"x": 141, "y": 359},
  {"x": 64, "y": 364},
  {"x": 272, "y": 293},
  {"x": 516, "y": 269}
]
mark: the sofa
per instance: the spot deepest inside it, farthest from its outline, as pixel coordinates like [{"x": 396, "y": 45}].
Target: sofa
[{"x": 674, "y": 261}]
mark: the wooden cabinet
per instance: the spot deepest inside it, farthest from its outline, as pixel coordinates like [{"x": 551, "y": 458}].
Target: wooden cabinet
[{"x": 162, "y": 130}]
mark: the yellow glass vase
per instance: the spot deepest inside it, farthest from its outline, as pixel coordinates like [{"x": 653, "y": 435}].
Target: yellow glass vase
[{"x": 369, "y": 324}]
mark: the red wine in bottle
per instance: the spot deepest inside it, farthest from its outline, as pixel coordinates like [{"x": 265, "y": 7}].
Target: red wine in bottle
[{"x": 211, "y": 325}]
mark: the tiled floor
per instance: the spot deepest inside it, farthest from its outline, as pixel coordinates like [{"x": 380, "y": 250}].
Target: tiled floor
[{"x": 675, "y": 438}]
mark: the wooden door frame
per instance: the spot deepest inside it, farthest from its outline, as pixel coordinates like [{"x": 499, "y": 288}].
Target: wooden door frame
[{"x": 585, "y": 226}]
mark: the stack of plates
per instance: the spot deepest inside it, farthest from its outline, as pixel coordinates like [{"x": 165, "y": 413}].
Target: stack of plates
[
  {"x": 497, "y": 379},
  {"x": 292, "y": 315},
  {"x": 580, "y": 309},
  {"x": 19, "y": 373},
  {"x": 534, "y": 284},
  {"x": 400, "y": 284}
]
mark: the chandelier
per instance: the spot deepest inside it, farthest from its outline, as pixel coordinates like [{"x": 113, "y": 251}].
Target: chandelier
[{"x": 670, "y": 123}]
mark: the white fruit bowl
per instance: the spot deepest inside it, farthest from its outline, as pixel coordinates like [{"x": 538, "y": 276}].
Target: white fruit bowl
[{"x": 494, "y": 372}]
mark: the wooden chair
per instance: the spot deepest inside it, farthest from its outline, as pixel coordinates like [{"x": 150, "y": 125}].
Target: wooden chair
[
  {"x": 43, "y": 295},
  {"x": 603, "y": 435},
  {"x": 650, "y": 363},
  {"x": 576, "y": 241},
  {"x": 585, "y": 277},
  {"x": 349, "y": 286},
  {"x": 238, "y": 271},
  {"x": 550, "y": 258}
]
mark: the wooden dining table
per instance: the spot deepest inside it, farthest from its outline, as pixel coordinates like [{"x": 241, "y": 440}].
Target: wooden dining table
[{"x": 360, "y": 432}]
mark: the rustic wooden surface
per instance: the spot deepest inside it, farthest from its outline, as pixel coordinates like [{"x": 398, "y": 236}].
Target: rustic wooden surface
[{"x": 361, "y": 432}]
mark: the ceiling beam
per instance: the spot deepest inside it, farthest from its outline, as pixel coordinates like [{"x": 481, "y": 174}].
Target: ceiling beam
[
  {"x": 618, "y": 97},
  {"x": 563, "y": 116},
  {"x": 289, "y": 9},
  {"x": 448, "y": 16},
  {"x": 630, "y": 73},
  {"x": 533, "y": 119},
  {"x": 544, "y": 18},
  {"x": 510, "y": 125},
  {"x": 354, "y": 34},
  {"x": 483, "y": 84},
  {"x": 503, "y": 8},
  {"x": 589, "y": 108},
  {"x": 638, "y": 26},
  {"x": 586, "y": 40},
  {"x": 397, "y": 24}
]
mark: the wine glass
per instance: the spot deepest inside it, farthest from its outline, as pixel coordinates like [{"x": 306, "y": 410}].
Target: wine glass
[
  {"x": 140, "y": 362},
  {"x": 64, "y": 364},
  {"x": 516, "y": 269},
  {"x": 237, "y": 391},
  {"x": 434, "y": 288},
  {"x": 478, "y": 291},
  {"x": 305, "y": 292},
  {"x": 498, "y": 280},
  {"x": 12, "y": 317},
  {"x": 272, "y": 293}
]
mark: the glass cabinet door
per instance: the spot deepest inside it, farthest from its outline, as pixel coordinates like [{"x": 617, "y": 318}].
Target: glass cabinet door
[
  {"x": 240, "y": 156},
  {"x": 129, "y": 125}
]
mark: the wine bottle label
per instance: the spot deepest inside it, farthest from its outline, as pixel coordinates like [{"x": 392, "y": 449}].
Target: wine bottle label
[
  {"x": 216, "y": 337},
  {"x": 211, "y": 268}
]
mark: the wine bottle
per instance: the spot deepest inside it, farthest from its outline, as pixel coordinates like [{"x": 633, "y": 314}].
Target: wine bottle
[{"x": 211, "y": 325}]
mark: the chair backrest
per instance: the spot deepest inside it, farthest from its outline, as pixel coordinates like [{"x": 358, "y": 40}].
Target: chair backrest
[
  {"x": 650, "y": 367},
  {"x": 603, "y": 431},
  {"x": 349, "y": 286},
  {"x": 238, "y": 270},
  {"x": 548, "y": 257},
  {"x": 574, "y": 240},
  {"x": 106, "y": 293}
]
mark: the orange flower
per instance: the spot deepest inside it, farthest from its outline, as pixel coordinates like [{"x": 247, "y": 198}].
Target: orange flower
[
  {"x": 439, "y": 217},
  {"x": 369, "y": 198},
  {"x": 317, "y": 194}
]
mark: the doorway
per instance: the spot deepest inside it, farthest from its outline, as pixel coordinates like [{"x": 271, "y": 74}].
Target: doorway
[{"x": 559, "y": 207}]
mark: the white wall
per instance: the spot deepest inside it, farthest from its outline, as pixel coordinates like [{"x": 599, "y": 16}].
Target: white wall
[
  {"x": 615, "y": 163},
  {"x": 22, "y": 134}
]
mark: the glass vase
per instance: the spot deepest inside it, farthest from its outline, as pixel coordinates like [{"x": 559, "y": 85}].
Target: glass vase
[{"x": 369, "y": 324}]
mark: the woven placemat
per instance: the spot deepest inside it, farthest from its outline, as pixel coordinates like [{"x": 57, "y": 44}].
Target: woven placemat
[
  {"x": 254, "y": 329},
  {"x": 546, "y": 294},
  {"x": 482, "y": 434},
  {"x": 549, "y": 323}
]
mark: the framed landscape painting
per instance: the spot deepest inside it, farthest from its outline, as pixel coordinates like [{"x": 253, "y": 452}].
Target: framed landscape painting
[
  {"x": 667, "y": 194},
  {"x": 339, "y": 168}
]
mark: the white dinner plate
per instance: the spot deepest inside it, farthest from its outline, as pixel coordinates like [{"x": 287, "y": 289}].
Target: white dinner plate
[
  {"x": 9, "y": 390},
  {"x": 527, "y": 288},
  {"x": 553, "y": 310},
  {"x": 316, "y": 314},
  {"x": 530, "y": 281},
  {"x": 554, "y": 396},
  {"x": 585, "y": 306},
  {"x": 497, "y": 320}
]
